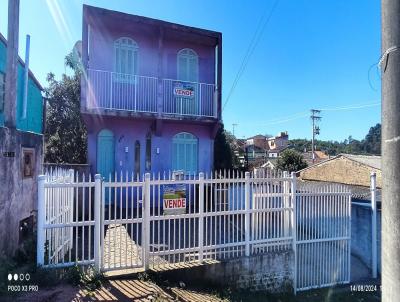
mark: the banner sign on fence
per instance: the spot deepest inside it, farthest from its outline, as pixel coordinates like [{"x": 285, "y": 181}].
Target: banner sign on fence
[
  {"x": 185, "y": 90},
  {"x": 174, "y": 199}
]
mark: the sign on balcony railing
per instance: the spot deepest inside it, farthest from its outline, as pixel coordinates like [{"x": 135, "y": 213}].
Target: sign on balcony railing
[
  {"x": 188, "y": 98},
  {"x": 110, "y": 90},
  {"x": 184, "y": 90}
]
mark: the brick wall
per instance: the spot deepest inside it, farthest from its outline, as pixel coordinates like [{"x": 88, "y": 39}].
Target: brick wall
[{"x": 342, "y": 170}]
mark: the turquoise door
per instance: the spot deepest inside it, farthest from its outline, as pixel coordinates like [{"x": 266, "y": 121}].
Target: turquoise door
[{"x": 105, "y": 153}]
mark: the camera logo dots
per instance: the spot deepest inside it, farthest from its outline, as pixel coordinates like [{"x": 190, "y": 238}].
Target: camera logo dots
[{"x": 20, "y": 277}]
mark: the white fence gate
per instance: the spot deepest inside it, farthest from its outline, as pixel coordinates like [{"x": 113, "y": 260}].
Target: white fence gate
[{"x": 122, "y": 223}]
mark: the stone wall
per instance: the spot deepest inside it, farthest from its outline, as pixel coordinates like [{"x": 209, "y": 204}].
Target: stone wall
[
  {"x": 342, "y": 170},
  {"x": 18, "y": 194},
  {"x": 272, "y": 272}
]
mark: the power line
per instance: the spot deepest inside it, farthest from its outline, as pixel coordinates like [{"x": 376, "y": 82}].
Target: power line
[
  {"x": 351, "y": 107},
  {"x": 250, "y": 49},
  {"x": 304, "y": 114}
]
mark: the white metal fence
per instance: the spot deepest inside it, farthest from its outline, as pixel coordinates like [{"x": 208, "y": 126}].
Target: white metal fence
[
  {"x": 122, "y": 223},
  {"x": 323, "y": 239}
]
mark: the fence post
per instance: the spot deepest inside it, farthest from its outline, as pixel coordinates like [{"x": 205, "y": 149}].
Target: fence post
[
  {"x": 201, "y": 215},
  {"x": 40, "y": 221},
  {"x": 373, "y": 226},
  {"x": 286, "y": 197},
  {"x": 294, "y": 229},
  {"x": 146, "y": 221},
  {"x": 97, "y": 221},
  {"x": 247, "y": 213},
  {"x": 71, "y": 207}
]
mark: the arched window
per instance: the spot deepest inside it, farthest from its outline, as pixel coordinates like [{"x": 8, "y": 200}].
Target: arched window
[
  {"x": 125, "y": 56},
  {"x": 188, "y": 65},
  {"x": 185, "y": 152}
]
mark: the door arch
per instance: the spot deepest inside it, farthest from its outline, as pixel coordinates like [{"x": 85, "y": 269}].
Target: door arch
[{"x": 105, "y": 153}]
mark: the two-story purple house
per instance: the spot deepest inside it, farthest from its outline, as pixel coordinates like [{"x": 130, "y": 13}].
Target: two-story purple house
[{"x": 151, "y": 94}]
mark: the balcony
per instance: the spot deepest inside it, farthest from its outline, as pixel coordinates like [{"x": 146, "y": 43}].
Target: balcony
[{"x": 134, "y": 93}]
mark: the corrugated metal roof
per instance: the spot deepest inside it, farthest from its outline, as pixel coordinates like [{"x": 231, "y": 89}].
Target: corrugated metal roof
[
  {"x": 357, "y": 192},
  {"x": 369, "y": 160}
]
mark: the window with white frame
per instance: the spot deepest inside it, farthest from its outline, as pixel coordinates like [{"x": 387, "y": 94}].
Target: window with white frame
[
  {"x": 2, "y": 90},
  {"x": 185, "y": 152},
  {"x": 188, "y": 65},
  {"x": 125, "y": 58}
]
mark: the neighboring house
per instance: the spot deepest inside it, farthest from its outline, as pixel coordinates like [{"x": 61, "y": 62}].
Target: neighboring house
[
  {"x": 345, "y": 169},
  {"x": 254, "y": 152},
  {"x": 260, "y": 148},
  {"x": 276, "y": 152},
  {"x": 270, "y": 164},
  {"x": 279, "y": 141},
  {"x": 259, "y": 141},
  {"x": 152, "y": 98},
  {"x": 21, "y": 152},
  {"x": 33, "y": 121}
]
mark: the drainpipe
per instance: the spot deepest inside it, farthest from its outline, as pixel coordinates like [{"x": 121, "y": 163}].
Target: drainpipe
[{"x": 26, "y": 77}]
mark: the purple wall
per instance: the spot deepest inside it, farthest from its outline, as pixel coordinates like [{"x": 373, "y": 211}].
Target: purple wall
[
  {"x": 159, "y": 43},
  {"x": 127, "y": 131},
  {"x": 101, "y": 49}
]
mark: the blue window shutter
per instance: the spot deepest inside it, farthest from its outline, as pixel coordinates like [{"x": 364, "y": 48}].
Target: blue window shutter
[
  {"x": 185, "y": 152},
  {"x": 126, "y": 51}
]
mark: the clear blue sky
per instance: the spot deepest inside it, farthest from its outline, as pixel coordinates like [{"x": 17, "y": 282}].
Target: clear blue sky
[{"x": 312, "y": 54}]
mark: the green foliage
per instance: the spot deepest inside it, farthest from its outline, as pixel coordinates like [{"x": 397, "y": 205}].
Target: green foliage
[
  {"x": 371, "y": 144},
  {"x": 372, "y": 141},
  {"x": 65, "y": 135},
  {"x": 223, "y": 155},
  {"x": 291, "y": 161},
  {"x": 89, "y": 278}
]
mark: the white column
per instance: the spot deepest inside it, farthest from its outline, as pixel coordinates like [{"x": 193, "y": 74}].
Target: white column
[
  {"x": 286, "y": 198},
  {"x": 97, "y": 221},
  {"x": 201, "y": 215},
  {"x": 41, "y": 221},
  {"x": 71, "y": 207},
  {"x": 247, "y": 213},
  {"x": 373, "y": 226},
  {"x": 146, "y": 221}
]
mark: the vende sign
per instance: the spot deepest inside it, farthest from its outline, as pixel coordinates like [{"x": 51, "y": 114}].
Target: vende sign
[
  {"x": 173, "y": 204},
  {"x": 174, "y": 199},
  {"x": 183, "y": 90}
]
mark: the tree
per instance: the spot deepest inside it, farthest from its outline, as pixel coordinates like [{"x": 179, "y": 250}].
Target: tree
[
  {"x": 291, "y": 161},
  {"x": 372, "y": 141},
  {"x": 223, "y": 155},
  {"x": 65, "y": 133}
]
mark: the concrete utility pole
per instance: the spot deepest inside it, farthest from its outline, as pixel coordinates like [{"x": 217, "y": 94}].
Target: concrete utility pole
[
  {"x": 10, "y": 121},
  {"x": 10, "y": 105},
  {"x": 315, "y": 129},
  {"x": 233, "y": 128},
  {"x": 390, "y": 68}
]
